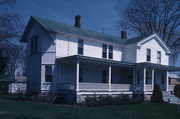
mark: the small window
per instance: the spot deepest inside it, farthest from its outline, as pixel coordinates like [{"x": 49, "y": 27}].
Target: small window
[
  {"x": 48, "y": 73},
  {"x": 104, "y": 80},
  {"x": 104, "y": 51},
  {"x": 110, "y": 52},
  {"x": 148, "y": 55},
  {"x": 80, "y": 47},
  {"x": 81, "y": 72},
  {"x": 159, "y": 57}
]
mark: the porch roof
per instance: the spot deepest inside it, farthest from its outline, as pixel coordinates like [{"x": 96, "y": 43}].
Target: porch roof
[
  {"x": 159, "y": 66},
  {"x": 98, "y": 60}
]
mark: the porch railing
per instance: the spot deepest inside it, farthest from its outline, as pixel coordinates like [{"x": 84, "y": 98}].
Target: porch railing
[
  {"x": 93, "y": 86},
  {"x": 121, "y": 87}
]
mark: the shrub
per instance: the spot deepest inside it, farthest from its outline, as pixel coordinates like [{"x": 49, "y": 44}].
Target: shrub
[
  {"x": 157, "y": 95},
  {"x": 138, "y": 98},
  {"x": 177, "y": 91},
  {"x": 103, "y": 100}
]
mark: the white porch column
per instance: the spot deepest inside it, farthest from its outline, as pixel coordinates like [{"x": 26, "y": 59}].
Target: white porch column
[
  {"x": 134, "y": 78},
  {"x": 167, "y": 81},
  {"x": 144, "y": 80},
  {"x": 77, "y": 75},
  {"x": 109, "y": 77},
  {"x": 152, "y": 79}
]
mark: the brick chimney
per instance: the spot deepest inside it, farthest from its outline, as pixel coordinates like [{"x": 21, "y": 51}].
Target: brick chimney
[
  {"x": 123, "y": 35},
  {"x": 77, "y": 21}
]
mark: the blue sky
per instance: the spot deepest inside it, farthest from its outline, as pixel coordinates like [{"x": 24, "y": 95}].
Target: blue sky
[{"x": 95, "y": 14}]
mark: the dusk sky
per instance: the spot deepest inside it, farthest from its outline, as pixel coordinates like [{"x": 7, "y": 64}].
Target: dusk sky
[{"x": 95, "y": 14}]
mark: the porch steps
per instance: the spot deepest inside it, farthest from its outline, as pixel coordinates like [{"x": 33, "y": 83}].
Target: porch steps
[{"x": 168, "y": 97}]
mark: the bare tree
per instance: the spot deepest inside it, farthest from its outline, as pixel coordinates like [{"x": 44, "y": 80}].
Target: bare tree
[
  {"x": 155, "y": 16},
  {"x": 10, "y": 22}
]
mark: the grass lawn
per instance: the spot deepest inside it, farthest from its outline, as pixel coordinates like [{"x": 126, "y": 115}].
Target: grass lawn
[{"x": 10, "y": 109}]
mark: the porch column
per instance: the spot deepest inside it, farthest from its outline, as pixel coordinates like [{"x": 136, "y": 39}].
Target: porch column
[
  {"x": 167, "y": 81},
  {"x": 144, "y": 80},
  {"x": 134, "y": 78},
  {"x": 77, "y": 75},
  {"x": 152, "y": 80},
  {"x": 109, "y": 77}
]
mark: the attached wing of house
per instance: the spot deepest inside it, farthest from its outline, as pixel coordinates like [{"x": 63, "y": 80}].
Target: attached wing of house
[{"x": 82, "y": 62}]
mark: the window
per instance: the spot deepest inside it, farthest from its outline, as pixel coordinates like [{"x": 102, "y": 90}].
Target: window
[
  {"x": 148, "y": 55},
  {"x": 110, "y": 52},
  {"x": 162, "y": 79},
  {"x": 48, "y": 73},
  {"x": 34, "y": 44},
  {"x": 80, "y": 47},
  {"x": 81, "y": 74},
  {"x": 159, "y": 57},
  {"x": 104, "y": 51},
  {"x": 104, "y": 80}
]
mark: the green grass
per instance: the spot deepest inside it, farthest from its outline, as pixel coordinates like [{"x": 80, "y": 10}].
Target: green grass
[{"x": 10, "y": 109}]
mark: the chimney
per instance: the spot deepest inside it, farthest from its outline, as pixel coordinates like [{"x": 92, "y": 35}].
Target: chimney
[
  {"x": 77, "y": 21},
  {"x": 123, "y": 35}
]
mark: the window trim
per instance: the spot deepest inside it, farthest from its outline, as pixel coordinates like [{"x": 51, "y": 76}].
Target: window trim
[
  {"x": 104, "y": 51},
  {"x": 148, "y": 55},
  {"x": 110, "y": 52},
  {"x": 48, "y": 74},
  {"x": 80, "y": 47},
  {"x": 159, "y": 57}
]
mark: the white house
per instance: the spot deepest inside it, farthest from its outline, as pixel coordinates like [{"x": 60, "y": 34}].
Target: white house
[{"x": 79, "y": 62}]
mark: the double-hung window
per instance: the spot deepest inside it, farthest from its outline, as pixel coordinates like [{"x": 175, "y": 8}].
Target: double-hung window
[
  {"x": 159, "y": 57},
  {"x": 104, "y": 51},
  {"x": 110, "y": 52},
  {"x": 48, "y": 73},
  {"x": 80, "y": 47},
  {"x": 34, "y": 44},
  {"x": 148, "y": 55}
]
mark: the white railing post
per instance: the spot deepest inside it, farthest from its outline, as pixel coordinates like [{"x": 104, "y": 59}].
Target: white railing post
[
  {"x": 109, "y": 77},
  {"x": 167, "y": 81},
  {"x": 144, "y": 80},
  {"x": 152, "y": 80},
  {"x": 77, "y": 75}
]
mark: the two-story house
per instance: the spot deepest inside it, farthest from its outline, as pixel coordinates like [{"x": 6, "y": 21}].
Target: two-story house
[{"x": 80, "y": 62}]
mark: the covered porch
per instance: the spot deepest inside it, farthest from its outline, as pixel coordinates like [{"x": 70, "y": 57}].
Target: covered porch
[
  {"x": 97, "y": 75},
  {"x": 87, "y": 74}
]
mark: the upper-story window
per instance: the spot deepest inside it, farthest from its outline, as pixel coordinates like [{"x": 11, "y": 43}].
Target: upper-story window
[
  {"x": 104, "y": 51},
  {"x": 110, "y": 52},
  {"x": 34, "y": 44},
  {"x": 148, "y": 55},
  {"x": 48, "y": 73},
  {"x": 80, "y": 47},
  {"x": 159, "y": 57}
]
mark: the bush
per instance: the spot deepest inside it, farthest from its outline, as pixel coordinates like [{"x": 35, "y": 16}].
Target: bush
[
  {"x": 157, "y": 95},
  {"x": 103, "y": 100},
  {"x": 177, "y": 91},
  {"x": 137, "y": 98}
]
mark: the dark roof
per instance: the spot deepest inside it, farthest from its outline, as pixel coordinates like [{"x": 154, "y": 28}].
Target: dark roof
[
  {"x": 100, "y": 60},
  {"x": 135, "y": 40},
  {"x": 57, "y": 27}
]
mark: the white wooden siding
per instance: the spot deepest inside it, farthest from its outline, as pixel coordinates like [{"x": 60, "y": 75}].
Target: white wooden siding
[{"x": 154, "y": 46}]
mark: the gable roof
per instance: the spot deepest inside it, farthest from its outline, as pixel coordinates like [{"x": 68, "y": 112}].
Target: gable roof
[
  {"x": 53, "y": 26},
  {"x": 158, "y": 39},
  {"x": 57, "y": 27}
]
